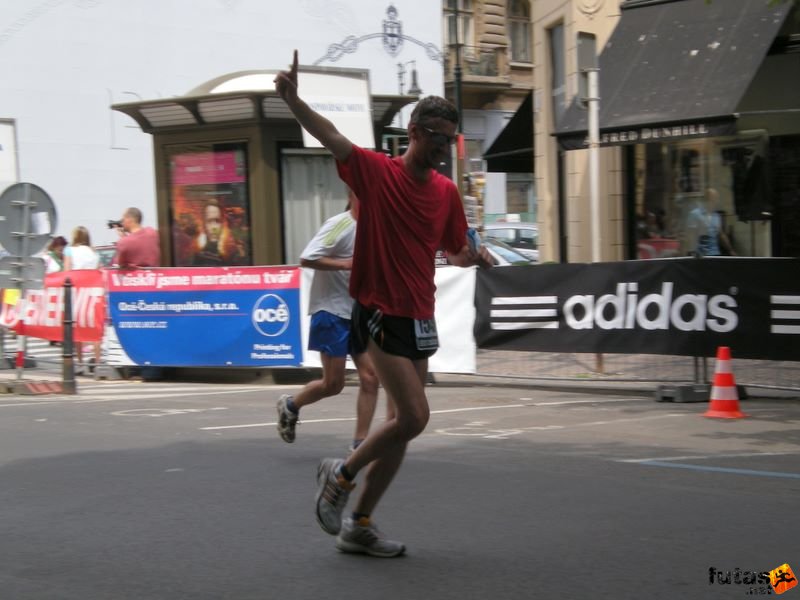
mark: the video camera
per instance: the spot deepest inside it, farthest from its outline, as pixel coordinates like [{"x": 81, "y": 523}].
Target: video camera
[{"x": 114, "y": 224}]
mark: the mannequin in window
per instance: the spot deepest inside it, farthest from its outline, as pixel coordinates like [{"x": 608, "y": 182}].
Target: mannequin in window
[{"x": 704, "y": 228}]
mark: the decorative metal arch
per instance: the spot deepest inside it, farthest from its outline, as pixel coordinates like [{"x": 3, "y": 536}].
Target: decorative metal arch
[
  {"x": 349, "y": 45},
  {"x": 392, "y": 37}
]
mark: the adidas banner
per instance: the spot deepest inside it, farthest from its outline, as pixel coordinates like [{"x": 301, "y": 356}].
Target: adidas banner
[{"x": 684, "y": 307}]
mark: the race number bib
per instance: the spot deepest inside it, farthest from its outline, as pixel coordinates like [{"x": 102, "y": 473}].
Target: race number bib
[{"x": 425, "y": 334}]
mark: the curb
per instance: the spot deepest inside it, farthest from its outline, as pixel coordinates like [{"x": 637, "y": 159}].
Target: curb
[{"x": 32, "y": 388}]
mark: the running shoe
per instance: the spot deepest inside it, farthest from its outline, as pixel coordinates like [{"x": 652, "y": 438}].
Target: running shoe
[
  {"x": 286, "y": 420},
  {"x": 367, "y": 539},
  {"x": 332, "y": 494}
]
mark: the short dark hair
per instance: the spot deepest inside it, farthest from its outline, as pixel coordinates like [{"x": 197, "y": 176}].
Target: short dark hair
[
  {"x": 135, "y": 214},
  {"x": 434, "y": 107}
]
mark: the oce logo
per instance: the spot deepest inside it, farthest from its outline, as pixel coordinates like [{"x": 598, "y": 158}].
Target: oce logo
[{"x": 271, "y": 315}]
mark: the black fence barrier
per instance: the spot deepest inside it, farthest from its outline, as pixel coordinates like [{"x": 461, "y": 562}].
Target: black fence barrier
[{"x": 681, "y": 307}]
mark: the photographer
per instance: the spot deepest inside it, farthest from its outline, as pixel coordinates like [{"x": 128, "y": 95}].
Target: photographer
[{"x": 138, "y": 246}]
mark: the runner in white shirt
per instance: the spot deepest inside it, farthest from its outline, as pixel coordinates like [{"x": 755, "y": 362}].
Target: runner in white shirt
[{"x": 330, "y": 254}]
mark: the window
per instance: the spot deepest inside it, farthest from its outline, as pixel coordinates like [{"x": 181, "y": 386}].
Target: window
[
  {"x": 708, "y": 197},
  {"x": 519, "y": 30},
  {"x": 558, "y": 72},
  {"x": 458, "y": 31}
]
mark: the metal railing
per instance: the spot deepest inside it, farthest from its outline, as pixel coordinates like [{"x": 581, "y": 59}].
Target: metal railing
[
  {"x": 650, "y": 368},
  {"x": 477, "y": 61}
]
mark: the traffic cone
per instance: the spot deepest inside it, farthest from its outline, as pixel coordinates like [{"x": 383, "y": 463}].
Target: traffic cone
[{"x": 724, "y": 397}]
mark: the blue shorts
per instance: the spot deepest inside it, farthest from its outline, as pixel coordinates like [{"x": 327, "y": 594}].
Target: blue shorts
[{"x": 330, "y": 335}]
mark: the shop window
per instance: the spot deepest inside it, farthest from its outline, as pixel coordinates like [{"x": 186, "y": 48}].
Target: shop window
[
  {"x": 709, "y": 197},
  {"x": 209, "y": 205},
  {"x": 519, "y": 30}
]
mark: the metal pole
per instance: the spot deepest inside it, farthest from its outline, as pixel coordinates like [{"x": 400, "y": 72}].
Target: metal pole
[
  {"x": 593, "y": 102},
  {"x": 401, "y": 71},
  {"x": 457, "y": 69},
  {"x": 68, "y": 362},
  {"x": 22, "y": 341},
  {"x": 594, "y": 161}
]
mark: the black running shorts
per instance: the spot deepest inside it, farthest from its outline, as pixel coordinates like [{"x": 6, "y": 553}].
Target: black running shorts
[{"x": 402, "y": 336}]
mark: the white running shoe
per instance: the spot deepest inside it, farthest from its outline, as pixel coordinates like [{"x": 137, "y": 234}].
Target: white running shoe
[
  {"x": 332, "y": 495},
  {"x": 286, "y": 420},
  {"x": 367, "y": 539}
]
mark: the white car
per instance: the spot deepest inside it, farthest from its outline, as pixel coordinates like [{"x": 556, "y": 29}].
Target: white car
[
  {"x": 504, "y": 255},
  {"x": 523, "y": 237}
]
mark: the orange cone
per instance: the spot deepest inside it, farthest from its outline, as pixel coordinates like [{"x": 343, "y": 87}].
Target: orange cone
[{"x": 724, "y": 397}]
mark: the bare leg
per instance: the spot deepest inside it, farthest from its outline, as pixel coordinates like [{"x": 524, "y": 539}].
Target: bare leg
[
  {"x": 367, "y": 394},
  {"x": 404, "y": 382},
  {"x": 331, "y": 383}
]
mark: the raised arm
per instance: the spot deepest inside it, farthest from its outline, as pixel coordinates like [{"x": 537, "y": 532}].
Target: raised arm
[{"x": 317, "y": 125}]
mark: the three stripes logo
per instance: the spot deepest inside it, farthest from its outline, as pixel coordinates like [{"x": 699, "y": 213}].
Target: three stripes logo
[
  {"x": 785, "y": 314},
  {"x": 513, "y": 313}
]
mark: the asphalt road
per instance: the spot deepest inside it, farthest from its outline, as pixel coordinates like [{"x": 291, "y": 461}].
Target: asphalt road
[{"x": 166, "y": 491}]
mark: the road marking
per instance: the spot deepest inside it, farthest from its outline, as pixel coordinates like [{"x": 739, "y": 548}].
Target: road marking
[
  {"x": 704, "y": 457},
  {"x": 139, "y": 395},
  {"x": 447, "y": 411},
  {"x": 673, "y": 465},
  {"x": 162, "y": 412},
  {"x": 334, "y": 420},
  {"x": 475, "y": 429}
]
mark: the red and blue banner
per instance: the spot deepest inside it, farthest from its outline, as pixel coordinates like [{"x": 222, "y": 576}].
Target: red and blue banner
[{"x": 208, "y": 317}]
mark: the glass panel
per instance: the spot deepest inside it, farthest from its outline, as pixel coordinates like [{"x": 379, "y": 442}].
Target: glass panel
[
  {"x": 312, "y": 193},
  {"x": 519, "y": 8},
  {"x": 520, "y": 41},
  {"x": 707, "y": 198},
  {"x": 209, "y": 205}
]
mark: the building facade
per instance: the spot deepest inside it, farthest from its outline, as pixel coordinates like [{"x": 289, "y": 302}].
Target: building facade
[
  {"x": 489, "y": 74},
  {"x": 698, "y": 128}
]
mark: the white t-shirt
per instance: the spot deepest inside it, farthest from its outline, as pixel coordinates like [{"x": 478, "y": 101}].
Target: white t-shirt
[
  {"x": 330, "y": 289},
  {"x": 82, "y": 257}
]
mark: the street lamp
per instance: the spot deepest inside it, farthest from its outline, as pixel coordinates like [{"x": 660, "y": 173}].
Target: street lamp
[
  {"x": 413, "y": 89},
  {"x": 457, "y": 69}
]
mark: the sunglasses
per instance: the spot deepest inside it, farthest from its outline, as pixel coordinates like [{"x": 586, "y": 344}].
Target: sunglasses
[{"x": 440, "y": 138}]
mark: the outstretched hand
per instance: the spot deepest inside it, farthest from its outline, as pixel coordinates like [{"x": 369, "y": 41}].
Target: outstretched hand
[
  {"x": 286, "y": 82},
  {"x": 484, "y": 258}
]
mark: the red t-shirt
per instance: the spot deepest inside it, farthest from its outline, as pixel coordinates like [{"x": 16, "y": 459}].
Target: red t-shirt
[
  {"x": 401, "y": 224},
  {"x": 139, "y": 249}
]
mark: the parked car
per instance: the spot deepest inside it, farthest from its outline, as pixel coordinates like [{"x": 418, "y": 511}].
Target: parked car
[
  {"x": 504, "y": 255},
  {"x": 106, "y": 254},
  {"x": 523, "y": 237}
]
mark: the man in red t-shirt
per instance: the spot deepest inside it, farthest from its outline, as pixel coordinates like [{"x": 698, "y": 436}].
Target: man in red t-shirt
[
  {"x": 138, "y": 246},
  {"x": 408, "y": 212}
]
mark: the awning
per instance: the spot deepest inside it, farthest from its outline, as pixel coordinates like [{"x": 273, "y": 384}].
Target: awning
[
  {"x": 512, "y": 150},
  {"x": 244, "y": 97},
  {"x": 676, "y": 70}
]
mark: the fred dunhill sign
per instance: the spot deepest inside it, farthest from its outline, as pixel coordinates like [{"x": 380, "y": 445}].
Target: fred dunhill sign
[{"x": 644, "y": 135}]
